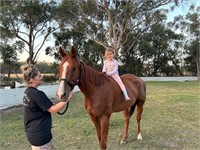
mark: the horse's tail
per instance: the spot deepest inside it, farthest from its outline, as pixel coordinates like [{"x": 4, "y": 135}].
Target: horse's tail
[{"x": 133, "y": 108}]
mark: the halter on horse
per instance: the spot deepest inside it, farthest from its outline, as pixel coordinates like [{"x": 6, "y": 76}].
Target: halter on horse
[{"x": 102, "y": 94}]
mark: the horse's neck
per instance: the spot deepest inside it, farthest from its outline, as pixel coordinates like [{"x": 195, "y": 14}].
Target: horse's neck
[{"x": 90, "y": 79}]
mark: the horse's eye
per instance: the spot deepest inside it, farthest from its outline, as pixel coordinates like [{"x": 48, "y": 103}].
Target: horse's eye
[{"x": 73, "y": 70}]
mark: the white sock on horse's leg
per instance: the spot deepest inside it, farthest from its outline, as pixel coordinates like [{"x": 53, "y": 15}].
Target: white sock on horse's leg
[{"x": 139, "y": 136}]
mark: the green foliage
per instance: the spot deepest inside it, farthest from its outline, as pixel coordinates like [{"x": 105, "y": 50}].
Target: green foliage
[
  {"x": 157, "y": 49},
  {"x": 27, "y": 21},
  {"x": 50, "y": 78},
  {"x": 190, "y": 24},
  {"x": 131, "y": 64},
  {"x": 136, "y": 30},
  {"x": 89, "y": 52},
  {"x": 110, "y": 23},
  {"x": 193, "y": 52},
  {"x": 8, "y": 55},
  {"x": 121, "y": 25}
]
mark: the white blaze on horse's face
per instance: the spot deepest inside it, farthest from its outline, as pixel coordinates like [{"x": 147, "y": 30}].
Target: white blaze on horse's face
[{"x": 61, "y": 87}]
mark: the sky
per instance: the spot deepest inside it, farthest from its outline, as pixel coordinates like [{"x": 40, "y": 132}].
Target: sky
[
  {"x": 42, "y": 57},
  {"x": 181, "y": 10}
]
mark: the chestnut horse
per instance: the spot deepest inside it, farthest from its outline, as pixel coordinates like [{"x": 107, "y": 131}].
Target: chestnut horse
[{"x": 102, "y": 94}]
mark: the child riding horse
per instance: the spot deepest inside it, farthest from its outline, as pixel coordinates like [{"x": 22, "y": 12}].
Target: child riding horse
[{"x": 102, "y": 94}]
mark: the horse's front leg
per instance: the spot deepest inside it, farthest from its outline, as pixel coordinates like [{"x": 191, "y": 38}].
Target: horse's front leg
[
  {"x": 126, "y": 126},
  {"x": 97, "y": 126},
  {"x": 104, "y": 121},
  {"x": 95, "y": 121}
]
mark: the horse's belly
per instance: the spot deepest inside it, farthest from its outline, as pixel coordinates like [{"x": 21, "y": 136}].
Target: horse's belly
[{"x": 98, "y": 110}]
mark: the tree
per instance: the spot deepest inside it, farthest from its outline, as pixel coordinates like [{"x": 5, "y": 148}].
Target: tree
[
  {"x": 89, "y": 51},
  {"x": 190, "y": 26},
  {"x": 115, "y": 24},
  {"x": 9, "y": 49},
  {"x": 191, "y": 60},
  {"x": 29, "y": 21},
  {"x": 156, "y": 50},
  {"x": 8, "y": 54},
  {"x": 109, "y": 23},
  {"x": 194, "y": 28}
]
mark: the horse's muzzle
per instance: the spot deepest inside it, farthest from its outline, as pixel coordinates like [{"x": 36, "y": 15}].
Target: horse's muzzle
[
  {"x": 63, "y": 91},
  {"x": 63, "y": 96}
]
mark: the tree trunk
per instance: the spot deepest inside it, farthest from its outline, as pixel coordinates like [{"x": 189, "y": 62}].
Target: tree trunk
[{"x": 198, "y": 66}]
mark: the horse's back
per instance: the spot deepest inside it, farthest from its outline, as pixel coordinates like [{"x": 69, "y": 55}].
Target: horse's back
[{"x": 135, "y": 86}]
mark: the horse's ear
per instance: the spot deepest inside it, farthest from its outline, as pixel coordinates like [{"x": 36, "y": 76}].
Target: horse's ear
[
  {"x": 61, "y": 52},
  {"x": 73, "y": 51}
]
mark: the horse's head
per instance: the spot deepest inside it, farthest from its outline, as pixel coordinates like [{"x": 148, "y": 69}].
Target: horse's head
[{"x": 69, "y": 73}]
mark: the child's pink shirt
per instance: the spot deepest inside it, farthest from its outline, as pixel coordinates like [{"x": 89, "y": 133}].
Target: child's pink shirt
[{"x": 110, "y": 67}]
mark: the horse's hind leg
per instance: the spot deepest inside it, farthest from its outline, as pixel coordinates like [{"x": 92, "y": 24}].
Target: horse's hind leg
[
  {"x": 126, "y": 125},
  {"x": 138, "y": 118}
]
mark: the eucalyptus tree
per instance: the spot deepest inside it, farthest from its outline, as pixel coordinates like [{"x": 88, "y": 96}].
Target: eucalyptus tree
[
  {"x": 189, "y": 24},
  {"x": 193, "y": 49},
  {"x": 8, "y": 55},
  {"x": 9, "y": 50},
  {"x": 156, "y": 51},
  {"x": 89, "y": 51},
  {"x": 109, "y": 23},
  {"x": 30, "y": 22}
]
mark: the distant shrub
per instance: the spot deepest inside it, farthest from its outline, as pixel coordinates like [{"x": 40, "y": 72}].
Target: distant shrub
[{"x": 49, "y": 78}]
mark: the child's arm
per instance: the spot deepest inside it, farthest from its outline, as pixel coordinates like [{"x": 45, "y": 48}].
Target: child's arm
[{"x": 104, "y": 66}]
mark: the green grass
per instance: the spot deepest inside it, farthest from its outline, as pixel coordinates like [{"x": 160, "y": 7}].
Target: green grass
[{"x": 170, "y": 121}]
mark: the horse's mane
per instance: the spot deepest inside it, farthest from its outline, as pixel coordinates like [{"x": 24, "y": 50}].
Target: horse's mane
[{"x": 95, "y": 77}]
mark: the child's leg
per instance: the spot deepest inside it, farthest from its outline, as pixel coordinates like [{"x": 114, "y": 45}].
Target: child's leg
[{"x": 120, "y": 83}]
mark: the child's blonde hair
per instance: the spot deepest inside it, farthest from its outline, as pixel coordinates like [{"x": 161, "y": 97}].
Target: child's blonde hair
[{"x": 107, "y": 51}]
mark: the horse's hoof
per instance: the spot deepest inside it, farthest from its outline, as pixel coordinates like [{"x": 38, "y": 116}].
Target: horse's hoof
[
  {"x": 122, "y": 142},
  {"x": 139, "y": 137}
]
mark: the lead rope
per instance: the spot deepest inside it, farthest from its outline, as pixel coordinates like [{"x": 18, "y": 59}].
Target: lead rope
[{"x": 62, "y": 113}]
